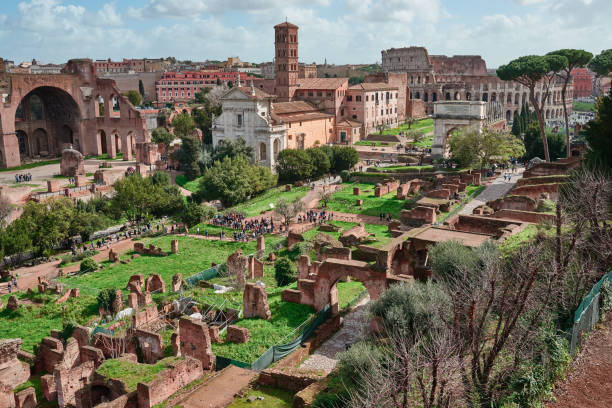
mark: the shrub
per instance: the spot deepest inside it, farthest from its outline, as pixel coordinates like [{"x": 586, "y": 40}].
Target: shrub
[
  {"x": 106, "y": 298},
  {"x": 345, "y": 175},
  {"x": 285, "y": 271},
  {"x": 88, "y": 265}
]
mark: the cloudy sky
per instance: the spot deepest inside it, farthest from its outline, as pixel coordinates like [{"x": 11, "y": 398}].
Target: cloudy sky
[{"x": 343, "y": 31}]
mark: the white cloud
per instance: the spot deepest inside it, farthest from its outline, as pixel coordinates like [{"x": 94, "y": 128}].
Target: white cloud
[
  {"x": 529, "y": 2},
  {"x": 109, "y": 16}
]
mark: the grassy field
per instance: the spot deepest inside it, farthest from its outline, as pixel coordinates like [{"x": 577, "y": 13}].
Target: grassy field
[
  {"x": 381, "y": 232},
  {"x": 584, "y": 106},
  {"x": 400, "y": 168},
  {"x": 192, "y": 185},
  {"x": 261, "y": 203},
  {"x": 39, "y": 314},
  {"x": 423, "y": 125},
  {"x": 272, "y": 398},
  {"x": 132, "y": 373},
  {"x": 195, "y": 255},
  {"x": 344, "y": 201}
]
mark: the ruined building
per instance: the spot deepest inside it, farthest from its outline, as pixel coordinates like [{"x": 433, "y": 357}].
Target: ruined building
[
  {"x": 40, "y": 115},
  {"x": 434, "y": 78}
]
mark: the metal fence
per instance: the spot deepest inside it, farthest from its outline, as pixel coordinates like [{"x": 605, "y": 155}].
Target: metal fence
[{"x": 587, "y": 314}]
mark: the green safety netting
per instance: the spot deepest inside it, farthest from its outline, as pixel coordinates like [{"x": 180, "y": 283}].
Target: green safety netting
[{"x": 204, "y": 275}]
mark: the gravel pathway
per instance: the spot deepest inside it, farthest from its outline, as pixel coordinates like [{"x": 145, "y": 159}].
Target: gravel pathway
[
  {"x": 324, "y": 358},
  {"x": 495, "y": 190}
]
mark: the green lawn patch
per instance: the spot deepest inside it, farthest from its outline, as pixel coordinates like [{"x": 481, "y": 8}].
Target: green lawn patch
[
  {"x": 272, "y": 398},
  {"x": 195, "y": 255},
  {"x": 39, "y": 314},
  {"x": 375, "y": 144},
  {"x": 514, "y": 242},
  {"x": 34, "y": 381},
  {"x": 347, "y": 291},
  {"x": 344, "y": 201},
  {"x": 184, "y": 182},
  {"x": 32, "y": 165},
  {"x": 261, "y": 203},
  {"x": 423, "y": 125},
  {"x": 131, "y": 373},
  {"x": 286, "y": 317},
  {"x": 584, "y": 106},
  {"x": 399, "y": 168},
  {"x": 105, "y": 156}
]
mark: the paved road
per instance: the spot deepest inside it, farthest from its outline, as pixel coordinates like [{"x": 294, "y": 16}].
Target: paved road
[
  {"x": 220, "y": 391},
  {"x": 495, "y": 190},
  {"x": 324, "y": 358}
]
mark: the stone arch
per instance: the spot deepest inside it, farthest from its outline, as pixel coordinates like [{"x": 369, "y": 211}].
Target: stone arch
[
  {"x": 447, "y": 96},
  {"x": 516, "y": 98},
  {"x": 276, "y": 147},
  {"x": 485, "y": 97},
  {"x": 457, "y": 96},
  {"x": 417, "y": 95},
  {"x": 468, "y": 96},
  {"x": 493, "y": 97},
  {"x": 24, "y": 143},
  {"x": 425, "y": 97},
  {"x": 508, "y": 115},
  {"x": 509, "y": 99},
  {"x": 263, "y": 153},
  {"x": 434, "y": 97},
  {"x": 50, "y": 117},
  {"x": 547, "y": 113},
  {"x": 115, "y": 106}
]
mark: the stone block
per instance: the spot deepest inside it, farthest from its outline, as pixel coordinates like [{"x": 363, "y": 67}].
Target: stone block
[
  {"x": 53, "y": 186},
  {"x": 113, "y": 256},
  {"x": 155, "y": 283},
  {"x": 255, "y": 302},
  {"x": 358, "y": 203},
  {"x": 194, "y": 341},
  {"x": 356, "y": 191},
  {"x": 236, "y": 265},
  {"x": 72, "y": 163},
  {"x": 237, "y": 334},
  {"x": 214, "y": 334},
  {"x": 177, "y": 282},
  {"x": 80, "y": 180},
  {"x": 255, "y": 268},
  {"x": 137, "y": 280},
  {"x": 26, "y": 398},
  {"x": 133, "y": 301},
  {"x": 261, "y": 246},
  {"x": 174, "y": 246}
]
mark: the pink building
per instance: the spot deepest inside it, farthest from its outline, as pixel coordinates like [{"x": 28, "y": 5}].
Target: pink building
[
  {"x": 183, "y": 86},
  {"x": 372, "y": 104},
  {"x": 325, "y": 93}
]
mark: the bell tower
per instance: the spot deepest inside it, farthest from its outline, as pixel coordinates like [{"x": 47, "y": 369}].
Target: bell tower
[{"x": 286, "y": 68}]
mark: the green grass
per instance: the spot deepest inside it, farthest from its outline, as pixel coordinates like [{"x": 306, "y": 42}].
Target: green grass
[
  {"x": 425, "y": 142},
  {"x": 381, "y": 232},
  {"x": 423, "y": 125},
  {"x": 584, "y": 106},
  {"x": 407, "y": 168},
  {"x": 105, "y": 156},
  {"x": 344, "y": 201},
  {"x": 261, "y": 203},
  {"x": 273, "y": 398},
  {"x": 375, "y": 144},
  {"x": 34, "y": 381},
  {"x": 347, "y": 291},
  {"x": 514, "y": 242},
  {"x": 286, "y": 317},
  {"x": 195, "y": 255},
  {"x": 32, "y": 165},
  {"x": 192, "y": 185},
  {"x": 131, "y": 373},
  {"x": 33, "y": 322}
]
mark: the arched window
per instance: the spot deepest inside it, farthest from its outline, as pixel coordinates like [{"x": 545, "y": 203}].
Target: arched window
[
  {"x": 263, "y": 152},
  {"x": 434, "y": 97},
  {"x": 426, "y": 97},
  {"x": 468, "y": 96},
  {"x": 448, "y": 96},
  {"x": 418, "y": 95},
  {"x": 457, "y": 96}
]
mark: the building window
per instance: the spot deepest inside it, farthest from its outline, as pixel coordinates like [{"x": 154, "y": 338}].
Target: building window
[
  {"x": 319, "y": 93},
  {"x": 358, "y": 98},
  {"x": 343, "y": 137},
  {"x": 310, "y": 93},
  {"x": 329, "y": 94},
  {"x": 349, "y": 98},
  {"x": 239, "y": 117},
  {"x": 354, "y": 116}
]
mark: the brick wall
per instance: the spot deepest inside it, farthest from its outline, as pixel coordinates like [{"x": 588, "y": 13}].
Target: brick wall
[{"x": 168, "y": 382}]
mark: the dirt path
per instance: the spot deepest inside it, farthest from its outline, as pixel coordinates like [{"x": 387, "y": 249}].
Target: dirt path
[
  {"x": 498, "y": 188},
  {"x": 589, "y": 383},
  {"x": 220, "y": 391},
  {"x": 354, "y": 326}
]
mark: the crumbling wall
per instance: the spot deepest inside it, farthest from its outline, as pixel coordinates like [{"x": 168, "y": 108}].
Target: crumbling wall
[{"x": 168, "y": 382}]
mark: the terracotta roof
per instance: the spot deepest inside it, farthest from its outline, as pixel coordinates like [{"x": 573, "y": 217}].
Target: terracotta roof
[
  {"x": 298, "y": 117},
  {"x": 373, "y": 86},
  {"x": 348, "y": 122},
  {"x": 321, "y": 83},
  {"x": 282, "y": 108},
  {"x": 286, "y": 24},
  {"x": 259, "y": 94}
]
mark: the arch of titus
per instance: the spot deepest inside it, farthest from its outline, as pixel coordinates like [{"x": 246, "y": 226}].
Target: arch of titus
[{"x": 469, "y": 115}]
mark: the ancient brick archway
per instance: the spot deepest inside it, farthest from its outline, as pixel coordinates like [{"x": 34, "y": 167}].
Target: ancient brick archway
[{"x": 71, "y": 108}]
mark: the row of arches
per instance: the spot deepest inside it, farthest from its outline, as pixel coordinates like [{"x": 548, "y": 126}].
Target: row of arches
[
  {"x": 263, "y": 150},
  {"x": 506, "y": 98},
  {"x": 113, "y": 109},
  {"x": 113, "y": 143}
]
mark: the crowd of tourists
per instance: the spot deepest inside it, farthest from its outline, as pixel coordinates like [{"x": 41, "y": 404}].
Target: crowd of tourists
[
  {"x": 316, "y": 216},
  {"x": 244, "y": 229},
  {"x": 21, "y": 178}
]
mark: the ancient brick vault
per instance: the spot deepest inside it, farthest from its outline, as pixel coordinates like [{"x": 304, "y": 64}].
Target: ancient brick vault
[{"x": 40, "y": 115}]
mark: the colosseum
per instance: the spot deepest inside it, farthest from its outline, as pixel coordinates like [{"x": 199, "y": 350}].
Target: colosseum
[{"x": 465, "y": 77}]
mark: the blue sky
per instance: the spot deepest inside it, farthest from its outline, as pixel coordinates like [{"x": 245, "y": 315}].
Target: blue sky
[{"x": 343, "y": 31}]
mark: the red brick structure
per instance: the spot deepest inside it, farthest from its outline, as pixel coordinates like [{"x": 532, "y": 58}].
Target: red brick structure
[
  {"x": 583, "y": 82},
  {"x": 194, "y": 341},
  {"x": 286, "y": 69},
  {"x": 40, "y": 115},
  {"x": 26, "y": 398},
  {"x": 168, "y": 382},
  {"x": 183, "y": 86},
  {"x": 237, "y": 334},
  {"x": 155, "y": 283},
  {"x": 255, "y": 302}
]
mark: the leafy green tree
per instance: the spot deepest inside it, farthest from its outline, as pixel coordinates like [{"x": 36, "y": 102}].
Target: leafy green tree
[
  {"x": 141, "y": 88},
  {"x": 533, "y": 143},
  {"x": 293, "y": 165},
  {"x": 200, "y": 97},
  {"x": 320, "y": 162},
  {"x": 530, "y": 71},
  {"x": 287, "y": 211},
  {"x": 229, "y": 148},
  {"x": 344, "y": 158},
  {"x": 262, "y": 179},
  {"x": 161, "y": 135},
  {"x": 602, "y": 63},
  {"x": 47, "y": 224},
  {"x": 285, "y": 271},
  {"x": 160, "y": 178},
  {"x": 183, "y": 125},
  {"x": 194, "y": 213},
  {"x": 598, "y": 134},
  {"x": 355, "y": 80},
  {"x": 523, "y": 120},
  {"x": 189, "y": 155},
  {"x": 479, "y": 149},
  {"x": 134, "y": 97},
  {"x": 106, "y": 298},
  {"x": 576, "y": 59},
  {"x": 88, "y": 265},
  {"x": 229, "y": 180}
]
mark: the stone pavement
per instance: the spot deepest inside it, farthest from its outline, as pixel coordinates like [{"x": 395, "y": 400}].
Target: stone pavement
[
  {"x": 219, "y": 392},
  {"x": 495, "y": 190},
  {"x": 353, "y": 329}
]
